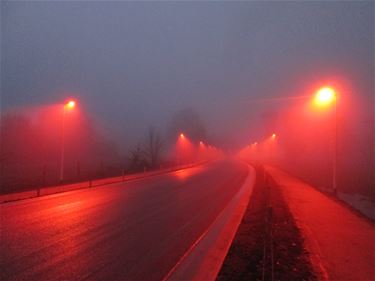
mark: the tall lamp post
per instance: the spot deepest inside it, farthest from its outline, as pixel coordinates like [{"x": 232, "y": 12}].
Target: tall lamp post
[
  {"x": 181, "y": 138},
  {"x": 326, "y": 96},
  {"x": 69, "y": 105}
]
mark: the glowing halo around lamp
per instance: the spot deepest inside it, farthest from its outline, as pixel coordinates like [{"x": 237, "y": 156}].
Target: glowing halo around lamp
[
  {"x": 70, "y": 104},
  {"x": 325, "y": 96}
]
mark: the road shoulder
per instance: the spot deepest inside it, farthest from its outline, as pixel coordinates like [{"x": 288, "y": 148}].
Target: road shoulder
[
  {"x": 204, "y": 259},
  {"x": 340, "y": 242}
]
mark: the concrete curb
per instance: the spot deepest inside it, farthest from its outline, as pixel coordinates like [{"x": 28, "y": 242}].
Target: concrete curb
[{"x": 203, "y": 260}]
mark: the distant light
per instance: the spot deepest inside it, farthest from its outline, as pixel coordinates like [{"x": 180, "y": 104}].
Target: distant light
[
  {"x": 201, "y": 143},
  {"x": 273, "y": 135},
  {"x": 70, "y": 104},
  {"x": 182, "y": 135},
  {"x": 325, "y": 96},
  {"x": 255, "y": 143}
]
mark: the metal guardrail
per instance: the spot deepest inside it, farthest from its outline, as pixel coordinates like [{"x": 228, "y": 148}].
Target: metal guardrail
[{"x": 86, "y": 184}]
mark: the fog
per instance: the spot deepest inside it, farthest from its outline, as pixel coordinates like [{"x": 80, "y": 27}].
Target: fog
[{"x": 132, "y": 66}]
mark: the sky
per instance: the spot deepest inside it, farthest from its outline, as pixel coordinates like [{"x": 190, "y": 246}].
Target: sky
[{"x": 132, "y": 65}]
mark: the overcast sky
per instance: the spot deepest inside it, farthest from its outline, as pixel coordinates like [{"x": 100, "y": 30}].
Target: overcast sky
[{"x": 133, "y": 64}]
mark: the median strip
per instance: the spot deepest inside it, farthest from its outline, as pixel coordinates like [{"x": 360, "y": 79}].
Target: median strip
[{"x": 203, "y": 260}]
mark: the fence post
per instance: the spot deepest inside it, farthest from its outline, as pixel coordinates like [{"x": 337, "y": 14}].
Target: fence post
[
  {"x": 44, "y": 174},
  {"x": 78, "y": 169},
  {"x": 102, "y": 167}
]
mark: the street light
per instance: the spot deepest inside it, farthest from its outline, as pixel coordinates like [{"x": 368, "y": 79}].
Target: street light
[
  {"x": 68, "y": 105},
  {"x": 71, "y": 104},
  {"x": 323, "y": 97},
  {"x": 178, "y": 148}
]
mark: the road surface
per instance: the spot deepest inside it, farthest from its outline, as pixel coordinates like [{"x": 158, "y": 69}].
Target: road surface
[{"x": 125, "y": 231}]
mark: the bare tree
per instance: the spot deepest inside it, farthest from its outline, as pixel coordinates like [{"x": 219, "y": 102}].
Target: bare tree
[
  {"x": 137, "y": 160},
  {"x": 153, "y": 147}
]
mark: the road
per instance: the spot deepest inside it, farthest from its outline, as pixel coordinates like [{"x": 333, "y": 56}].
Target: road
[{"x": 134, "y": 230}]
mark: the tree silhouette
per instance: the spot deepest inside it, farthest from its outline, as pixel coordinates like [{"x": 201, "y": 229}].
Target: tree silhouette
[{"x": 153, "y": 147}]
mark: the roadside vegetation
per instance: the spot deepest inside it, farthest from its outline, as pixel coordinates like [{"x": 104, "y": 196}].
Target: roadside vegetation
[{"x": 268, "y": 244}]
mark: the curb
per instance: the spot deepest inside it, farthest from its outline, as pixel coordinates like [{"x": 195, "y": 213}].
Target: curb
[{"x": 203, "y": 260}]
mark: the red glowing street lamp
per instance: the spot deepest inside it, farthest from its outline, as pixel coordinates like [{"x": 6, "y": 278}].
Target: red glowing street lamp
[
  {"x": 181, "y": 139},
  {"x": 69, "y": 105},
  {"x": 324, "y": 97}
]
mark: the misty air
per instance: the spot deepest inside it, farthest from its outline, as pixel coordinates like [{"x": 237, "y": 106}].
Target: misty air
[{"x": 186, "y": 140}]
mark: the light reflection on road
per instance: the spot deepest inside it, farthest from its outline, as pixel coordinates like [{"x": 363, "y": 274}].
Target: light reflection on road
[{"x": 125, "y": 231}]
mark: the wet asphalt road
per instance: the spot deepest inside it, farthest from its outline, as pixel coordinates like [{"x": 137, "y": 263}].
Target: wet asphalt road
[{"x": 125, "y": 231}]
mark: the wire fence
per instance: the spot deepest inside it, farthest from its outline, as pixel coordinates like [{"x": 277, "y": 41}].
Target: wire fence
[{"x": 91, "y": 182}]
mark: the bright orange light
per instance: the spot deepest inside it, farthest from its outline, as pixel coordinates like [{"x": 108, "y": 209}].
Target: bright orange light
[
  {"x": 273, "y": 136},
  {"x": 325, "y": 96},
  {"x": 182, "y": 135},
  {"x": 70, "y": 104}
]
